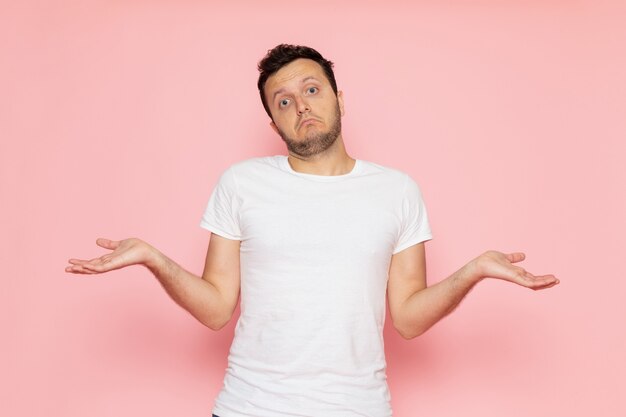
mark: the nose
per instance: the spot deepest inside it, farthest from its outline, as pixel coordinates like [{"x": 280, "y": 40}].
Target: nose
[{"x": 302, "y": 106}]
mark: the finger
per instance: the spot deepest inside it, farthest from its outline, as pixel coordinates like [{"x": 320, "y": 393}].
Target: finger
[
  {"x": 96, "y": 267},
  {"x": 77, "y": 269},
  {"x": 105, "y": 263},
  {"x": 107, "y": 243},
  {"x": 515, "y": 257},
  {"x": 77, "y": 261},
  {"x": 547, "y": 277},
  {"x": 84, "y": 265},
  {"x": 541, "y": 281},
  {"x": 79, "y": 265},
  {"x": 544, "y": 287}
]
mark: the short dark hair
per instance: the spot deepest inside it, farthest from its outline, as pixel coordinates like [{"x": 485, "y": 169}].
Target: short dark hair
[{"x": 282, "y": 55}]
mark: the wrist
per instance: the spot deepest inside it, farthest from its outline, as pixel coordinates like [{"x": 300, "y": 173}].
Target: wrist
[
  {"x": 470, "y": 273},
  {"x": 154, "y": 260}
]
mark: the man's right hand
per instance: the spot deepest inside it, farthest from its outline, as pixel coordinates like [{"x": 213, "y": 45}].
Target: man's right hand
[
  {"x": 126, "y": 252},
  {"x": 211, "y": 298}
]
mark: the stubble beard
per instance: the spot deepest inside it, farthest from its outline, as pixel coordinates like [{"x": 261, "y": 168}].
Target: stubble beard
[{"x": 316, "y": 142}]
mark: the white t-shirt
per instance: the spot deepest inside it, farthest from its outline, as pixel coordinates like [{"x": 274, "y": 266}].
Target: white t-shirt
[{"x": 315, "y": 255}]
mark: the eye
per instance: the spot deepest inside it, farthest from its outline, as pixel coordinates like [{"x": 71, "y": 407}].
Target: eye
[
  {"x": 283, "y": 102},
  {"x": 312, "y": 90}
]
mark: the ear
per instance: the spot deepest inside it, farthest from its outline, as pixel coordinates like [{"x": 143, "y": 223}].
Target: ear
[
  {"x": 340, "y": 101},
  {"x": 274, "y": 127}
]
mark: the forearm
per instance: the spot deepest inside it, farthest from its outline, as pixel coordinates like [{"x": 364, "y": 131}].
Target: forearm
[
  {"x": 427, "y": 306},
  {"x": 196, "y": 295}
]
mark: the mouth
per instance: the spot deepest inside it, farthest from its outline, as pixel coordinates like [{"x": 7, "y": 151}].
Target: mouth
[{"x": 307, "y": 122}]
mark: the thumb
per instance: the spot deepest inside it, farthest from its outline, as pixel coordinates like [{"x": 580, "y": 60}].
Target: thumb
[
  {"x": 107, "y": 243},
  {"x": 515, "y": 257}
]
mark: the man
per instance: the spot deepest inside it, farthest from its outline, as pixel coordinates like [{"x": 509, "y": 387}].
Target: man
[{"x": 314, "y": 240}]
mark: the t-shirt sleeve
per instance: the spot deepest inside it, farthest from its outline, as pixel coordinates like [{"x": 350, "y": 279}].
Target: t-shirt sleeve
[
  {"x": 221, "y": 215},
  {"x": 414, "y": 218}
]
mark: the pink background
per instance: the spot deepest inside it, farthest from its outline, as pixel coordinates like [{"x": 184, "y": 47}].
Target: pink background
[{"x": 116, "y": 119}]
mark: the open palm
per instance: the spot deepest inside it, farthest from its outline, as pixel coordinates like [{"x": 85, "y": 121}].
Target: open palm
[
  {"x": 494, "y": 264},
  {"x": 125, "y": 252}
]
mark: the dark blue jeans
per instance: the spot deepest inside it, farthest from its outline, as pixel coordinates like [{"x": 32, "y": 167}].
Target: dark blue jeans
[{"x": 215, "y": 415}]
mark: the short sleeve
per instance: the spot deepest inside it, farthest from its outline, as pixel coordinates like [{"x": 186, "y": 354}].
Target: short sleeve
[
  {"x": 221, "y": 215},
  {"x": 414, "y": 218}
]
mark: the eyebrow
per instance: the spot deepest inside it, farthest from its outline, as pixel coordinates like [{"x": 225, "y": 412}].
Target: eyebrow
[{"x": 282, "y": 90}]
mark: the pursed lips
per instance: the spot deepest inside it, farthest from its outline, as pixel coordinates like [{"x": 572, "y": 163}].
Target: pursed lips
[{"x": 307, "y": 121}]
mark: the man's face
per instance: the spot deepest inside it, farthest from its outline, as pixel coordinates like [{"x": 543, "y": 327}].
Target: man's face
[{"x": 306, "y": 112}]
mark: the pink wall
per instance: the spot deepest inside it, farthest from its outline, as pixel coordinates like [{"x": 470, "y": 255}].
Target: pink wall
[{"x": 116, "y": 119}]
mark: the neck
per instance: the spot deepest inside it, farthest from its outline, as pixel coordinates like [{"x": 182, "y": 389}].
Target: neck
[{"x": 333, "y": 161}]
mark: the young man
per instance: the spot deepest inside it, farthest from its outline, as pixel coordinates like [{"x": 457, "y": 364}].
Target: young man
[{"x": 315, "y": 241}]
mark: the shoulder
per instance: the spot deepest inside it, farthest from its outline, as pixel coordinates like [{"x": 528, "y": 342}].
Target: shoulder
[
  {"x": 396, "y": 179},
  {"x": 390, "y": 173},
  {"x": 252, "y": 165},
  {"x": 253, "y": 171}
]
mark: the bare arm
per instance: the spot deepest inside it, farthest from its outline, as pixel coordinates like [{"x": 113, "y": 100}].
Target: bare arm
[
  {"x": 211, "y": 298},
  {"x": 415, "y": 307}
]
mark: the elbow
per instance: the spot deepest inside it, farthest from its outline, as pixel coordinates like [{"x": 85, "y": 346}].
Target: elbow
[
  {"x": 216, "y": 323},
  {"x": 408, "y": 335},
  {"x": 214, "y": 326},
  {"x": 408, "y": 332}
]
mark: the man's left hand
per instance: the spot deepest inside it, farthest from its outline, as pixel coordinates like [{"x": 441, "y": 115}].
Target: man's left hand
[{"x": 494, "y": 264}]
